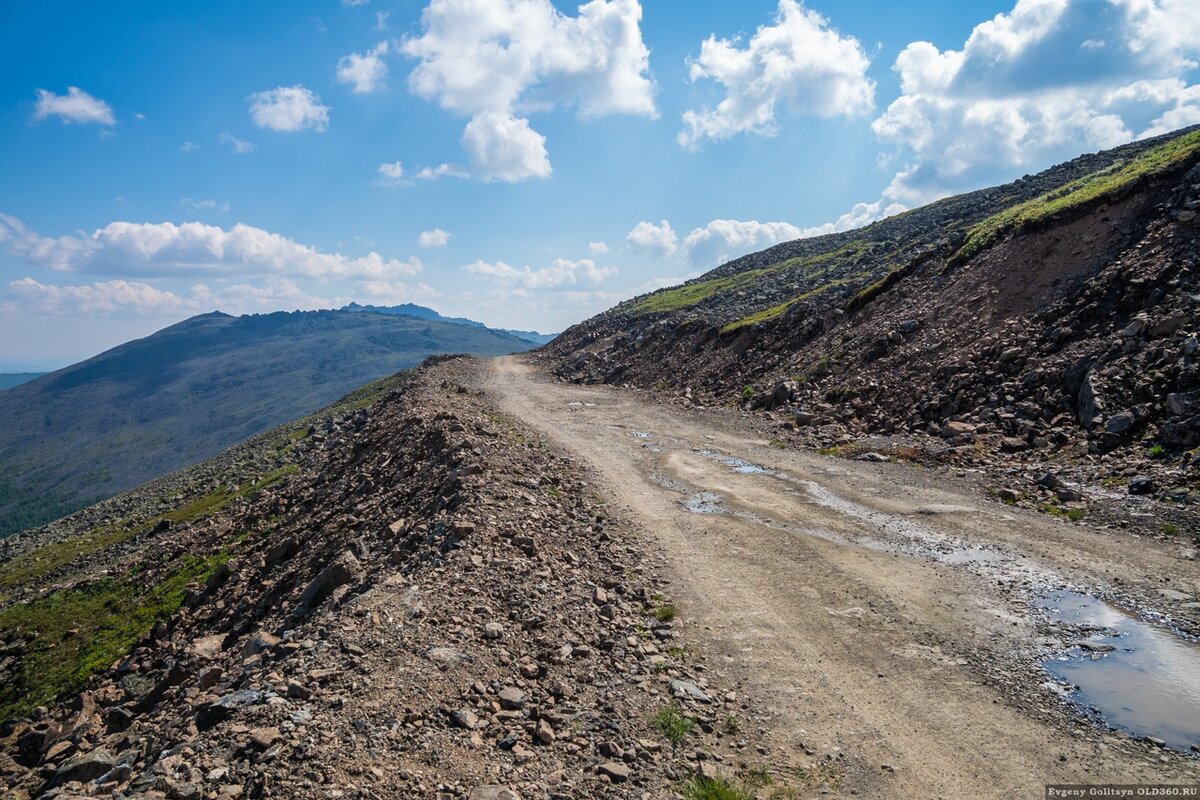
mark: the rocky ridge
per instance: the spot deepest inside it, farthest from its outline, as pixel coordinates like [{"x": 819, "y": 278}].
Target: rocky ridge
[{"x": 434, "y": 604}]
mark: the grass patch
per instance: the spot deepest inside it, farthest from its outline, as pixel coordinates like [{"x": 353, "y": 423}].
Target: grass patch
[
  {"x": 79, "y": 632},
  {"x": 1170, "y": 529},
  {"x": 771, "y": 313},
  {"x": 672, "y": 723},
  {"x": 702, "y": 788},
  {"x": 691, "y": 294},
  {"x": 1157, "y": 451},
  {"x": 1097, "y": 185},
  {"x": 28, "y": 567},
  {"x": 665, "y": 613}
]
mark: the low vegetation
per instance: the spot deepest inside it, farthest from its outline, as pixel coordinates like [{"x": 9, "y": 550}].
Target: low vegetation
[
  {"x": 1099, "y": 185},
  {"x": 691, "y": 294},
  {"x": 672, "y": 723},
  {"x": 74, "y": 633}
]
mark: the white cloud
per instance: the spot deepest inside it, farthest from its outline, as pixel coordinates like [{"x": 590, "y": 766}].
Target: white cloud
[
  {"x": 391, "y": 174},
  {"x": 289, "y": 108},
  {"x": 442, "y": 171},
  {"x": 493, "y": 59},
  {"x": 504, "y": 148},
  {"x": 205, "y": 205},
  {"x": 559, "y": 274},
  {"x": 598, "y": 248},
  {"x": 74, "y": 106},
  {"x": 191, "y": 248},
  {"x": 799, "y": 65},
  {"x": 725, "y": 239},
  {"x": 108, "y": 297},
  {"x": 381, "y": 18},
  {"x": 366, "y": 72},
  {"x": 239, "y": 146},
  {"x": 434, "y": 238},
  {"x": 657, "y": 238},
  {"x": 104, "y": 297},
  {"x": 1037, "y": 85},
  {"x": 354, "y": 3},
  {"x": 189, "y": 146}
]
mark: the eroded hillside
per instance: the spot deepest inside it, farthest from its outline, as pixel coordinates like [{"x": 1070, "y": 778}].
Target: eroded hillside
[{"x": 1052, "y": 319}]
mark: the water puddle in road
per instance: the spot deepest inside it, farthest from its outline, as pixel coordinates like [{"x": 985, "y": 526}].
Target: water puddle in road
[
  {"x": 1131, "y": 674},
  {"x": 704, "y": 503},
  {"x": 736, "y": 464}
]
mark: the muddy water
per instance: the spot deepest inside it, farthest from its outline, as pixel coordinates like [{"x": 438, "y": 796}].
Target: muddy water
[
  {"x": 1148, "y": 684},
  {"x": 1129, "y": 673}
]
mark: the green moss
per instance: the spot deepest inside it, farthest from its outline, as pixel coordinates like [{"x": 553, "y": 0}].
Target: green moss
[
  {"x": 73, "y": 634},
  {"x": 1101, "y": 184}
]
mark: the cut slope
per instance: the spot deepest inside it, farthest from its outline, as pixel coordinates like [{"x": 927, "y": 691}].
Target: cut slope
[{"x": 1050, "y": 318}]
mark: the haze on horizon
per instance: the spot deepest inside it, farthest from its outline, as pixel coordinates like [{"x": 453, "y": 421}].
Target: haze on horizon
[{"x": 519, "y": 162}]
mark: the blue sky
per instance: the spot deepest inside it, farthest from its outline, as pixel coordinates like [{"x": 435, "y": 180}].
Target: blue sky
[{"x": 515, "y": 161}]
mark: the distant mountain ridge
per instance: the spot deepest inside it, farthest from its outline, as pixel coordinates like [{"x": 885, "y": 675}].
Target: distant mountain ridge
[
  {"x": 424, "y": 312},
  {"x": 11, "y": 379},
  {"x": 153, "y": 405}
]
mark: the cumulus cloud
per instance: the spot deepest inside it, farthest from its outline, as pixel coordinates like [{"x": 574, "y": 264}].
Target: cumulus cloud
[
  {"x": 239, "y": 146},
  {"x": 799, "y": 65},
  {"x": 76, "y": 106},
  {"x": 434, "y": 238},
  {"x": 365, "y": 72},
  {"x": 562, "y": 272},
  {"x": 493, "y": 59},
  {"x": 655, "y": 238},
  {"x": 191, "y": 248},
  {"x": 288, "y": 109},
  {"x": 725, "y": 239},
  {"x": 504, "y": 148},
  {"x": 1037, "y": 85},
  {"x": 442, "y": 171},
  {"x": 598, "y": 248},
  {"x": 105, "y": 297},
  {"x": 391, "y": 174}
]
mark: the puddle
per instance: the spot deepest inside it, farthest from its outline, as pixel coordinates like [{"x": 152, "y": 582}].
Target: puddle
[
  {"x": 736, "y": 464},
  {"x": 704, "y": 503},
  {"x": 1147, "y": 684}
]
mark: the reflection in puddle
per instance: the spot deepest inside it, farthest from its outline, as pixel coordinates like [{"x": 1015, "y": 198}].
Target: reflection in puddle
[
  {"x": 704, "y": 503},
  {"x": 1147, "y": 684}
]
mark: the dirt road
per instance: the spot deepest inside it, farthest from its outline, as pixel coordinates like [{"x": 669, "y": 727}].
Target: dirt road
[{"x": 877, "y": 609}]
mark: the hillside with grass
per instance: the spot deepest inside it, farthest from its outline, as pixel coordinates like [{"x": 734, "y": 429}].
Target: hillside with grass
[
  {"x": 1053, "y": 318},
  {"x": 142, "y": 409}
]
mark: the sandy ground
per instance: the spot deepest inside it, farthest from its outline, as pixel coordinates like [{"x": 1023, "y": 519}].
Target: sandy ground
[{"x": 879, "y": 611}]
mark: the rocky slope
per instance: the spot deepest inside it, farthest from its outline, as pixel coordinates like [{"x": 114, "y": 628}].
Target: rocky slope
[
  {"x": 1052, "y": 322},
  {"x": 432, "y": 604},
  {"x": 189, "y": 391}
]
